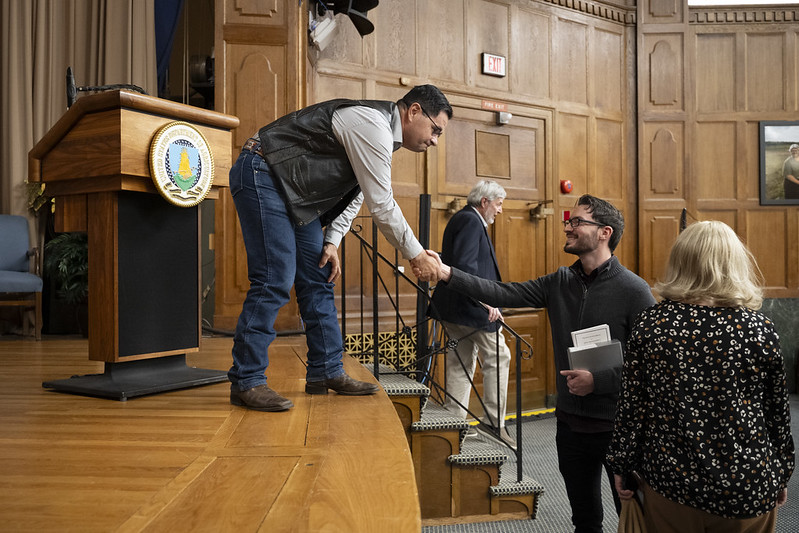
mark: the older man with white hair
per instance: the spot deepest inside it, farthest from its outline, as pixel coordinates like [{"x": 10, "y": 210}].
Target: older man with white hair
[{"x": 466, "y": 244}]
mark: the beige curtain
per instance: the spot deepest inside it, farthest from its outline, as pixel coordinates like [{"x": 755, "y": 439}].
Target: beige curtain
[{"x": 104, "y": 41}]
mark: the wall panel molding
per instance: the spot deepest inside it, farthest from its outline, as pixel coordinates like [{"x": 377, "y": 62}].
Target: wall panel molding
[
  {"x": 664, "y": 169},
  {"x": 744, "y": 15},
  {"x": 597, "y": 9}
]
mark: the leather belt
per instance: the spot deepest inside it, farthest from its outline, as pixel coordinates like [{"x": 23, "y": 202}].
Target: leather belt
[{"x": 253, "y": 145}]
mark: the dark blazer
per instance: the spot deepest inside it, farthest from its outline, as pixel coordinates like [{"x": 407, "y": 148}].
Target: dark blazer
[{"x": 466, "y": 246}]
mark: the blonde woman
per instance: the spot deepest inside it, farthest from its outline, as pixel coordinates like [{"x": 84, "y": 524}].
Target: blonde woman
[{"x": 703, "y": 415}]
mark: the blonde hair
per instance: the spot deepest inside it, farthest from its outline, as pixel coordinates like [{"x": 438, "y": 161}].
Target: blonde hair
[{"x": 709, "y": 263}]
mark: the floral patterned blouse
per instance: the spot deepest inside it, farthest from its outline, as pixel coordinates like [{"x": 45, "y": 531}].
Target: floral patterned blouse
[{"x": 703, "y": 414}]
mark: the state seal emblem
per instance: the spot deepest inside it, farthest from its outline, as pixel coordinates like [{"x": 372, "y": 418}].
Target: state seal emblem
[{"x": 181, "y": 164}]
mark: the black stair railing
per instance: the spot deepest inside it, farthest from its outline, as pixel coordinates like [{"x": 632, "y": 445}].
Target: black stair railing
[{"x": 413, "y": 331}]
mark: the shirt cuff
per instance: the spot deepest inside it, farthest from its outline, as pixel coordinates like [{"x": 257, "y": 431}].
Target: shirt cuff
[
  {"x": 413, "y": 249},
  {"x": 333, "y": 237}
]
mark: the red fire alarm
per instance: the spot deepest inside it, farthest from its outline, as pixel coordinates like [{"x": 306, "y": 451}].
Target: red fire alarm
[{"x": 565, "y": 186}]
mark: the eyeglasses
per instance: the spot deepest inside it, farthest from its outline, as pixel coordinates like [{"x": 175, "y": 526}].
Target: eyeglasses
[
  {"x": 437, "y": 131},
  {"x": 576, "y": 222}
]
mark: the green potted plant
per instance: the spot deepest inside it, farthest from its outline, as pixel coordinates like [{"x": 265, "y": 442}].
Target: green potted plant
[{"x": 66, "y": 261}]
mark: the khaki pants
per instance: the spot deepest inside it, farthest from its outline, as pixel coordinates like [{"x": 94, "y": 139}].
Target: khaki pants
[
  {"x": 662, "y": 515},
  {"x": 471, "y": 345}
]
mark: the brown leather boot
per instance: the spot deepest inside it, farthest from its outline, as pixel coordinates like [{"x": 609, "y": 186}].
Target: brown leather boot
[
  {"x": 342, "y": 384},
  {"x": 260, "y": 398}
]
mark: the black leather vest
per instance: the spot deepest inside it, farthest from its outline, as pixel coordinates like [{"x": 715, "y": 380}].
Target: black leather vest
[{"x": 310, "y": 164}]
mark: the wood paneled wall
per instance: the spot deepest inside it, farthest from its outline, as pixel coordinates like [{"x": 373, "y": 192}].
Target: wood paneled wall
[{"x": 706, "y": 80}]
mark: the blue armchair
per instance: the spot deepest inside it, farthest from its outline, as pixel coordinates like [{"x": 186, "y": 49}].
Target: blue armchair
[{"x": 20, "y": 283}]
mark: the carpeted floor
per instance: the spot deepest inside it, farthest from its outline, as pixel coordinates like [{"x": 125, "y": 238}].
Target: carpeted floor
[{"x": 540, "y": 463}]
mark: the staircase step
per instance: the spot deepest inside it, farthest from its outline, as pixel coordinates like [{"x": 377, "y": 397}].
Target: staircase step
[
  {"x": 480, "y": 450},
  {"x": 469, "y": 483},
  {"x": 400, "y": 385},
  {"x": 521, "y": 497},
  {"x": 512, "y": 488},
  {"x": 436, "y": 417}
]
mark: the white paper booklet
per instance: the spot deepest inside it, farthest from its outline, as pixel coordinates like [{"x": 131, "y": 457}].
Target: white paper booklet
[{"x": 590, "y": 337}]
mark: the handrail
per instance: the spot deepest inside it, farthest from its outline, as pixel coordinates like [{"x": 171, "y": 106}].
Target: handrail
[{"x": 426, "y": 351}]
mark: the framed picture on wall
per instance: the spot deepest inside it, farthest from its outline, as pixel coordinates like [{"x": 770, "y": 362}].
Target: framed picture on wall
[{"x": 779, "y": 163}]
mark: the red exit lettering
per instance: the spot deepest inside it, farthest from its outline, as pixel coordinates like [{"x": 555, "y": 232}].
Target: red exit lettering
[{"x": 493, "y": 64}]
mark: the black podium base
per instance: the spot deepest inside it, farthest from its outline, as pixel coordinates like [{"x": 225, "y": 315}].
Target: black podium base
[{"x": 121, "y": 381}]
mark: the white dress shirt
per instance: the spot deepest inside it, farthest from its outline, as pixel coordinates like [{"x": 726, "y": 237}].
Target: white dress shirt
[{"x": 370, "y": 140}]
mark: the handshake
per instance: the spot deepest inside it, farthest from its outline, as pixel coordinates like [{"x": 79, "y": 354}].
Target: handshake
[{"x": 427, "y": 266}]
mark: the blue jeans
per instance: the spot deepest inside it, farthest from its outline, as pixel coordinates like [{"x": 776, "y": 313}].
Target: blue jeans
[
  {"x": 581, "y": 459},
  {"x": 279, "y": 254}
]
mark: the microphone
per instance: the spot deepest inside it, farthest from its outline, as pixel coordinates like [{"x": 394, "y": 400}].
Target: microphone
[
  {"x": 683, "y": 221},
  {"x": 72, "y": 91}
]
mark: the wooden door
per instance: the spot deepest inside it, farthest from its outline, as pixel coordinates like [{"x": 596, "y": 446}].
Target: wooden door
[{"x": 260, "y": 51}]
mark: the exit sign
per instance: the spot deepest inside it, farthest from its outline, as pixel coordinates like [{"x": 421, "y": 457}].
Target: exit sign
[{"x": 493, "y": 65}]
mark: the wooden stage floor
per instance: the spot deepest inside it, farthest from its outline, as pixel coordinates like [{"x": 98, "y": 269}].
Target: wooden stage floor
[{"x": 188, "y": 460}]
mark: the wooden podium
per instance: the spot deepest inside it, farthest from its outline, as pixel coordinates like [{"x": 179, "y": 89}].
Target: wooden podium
[{"x": 144, "y": 252}]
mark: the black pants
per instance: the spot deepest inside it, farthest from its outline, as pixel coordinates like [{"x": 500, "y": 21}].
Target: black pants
[{"x": 581, "y": 459}]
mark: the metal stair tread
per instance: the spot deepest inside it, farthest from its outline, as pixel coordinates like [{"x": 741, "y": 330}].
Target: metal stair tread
[{"x": 435, "y": 416}]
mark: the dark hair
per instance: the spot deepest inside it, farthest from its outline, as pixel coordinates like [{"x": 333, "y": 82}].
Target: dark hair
[
  {"x": 430, "y": 98},
  {"x": 605, "y": 213}
]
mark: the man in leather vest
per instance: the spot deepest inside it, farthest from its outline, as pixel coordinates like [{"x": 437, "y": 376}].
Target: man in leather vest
[{"x": 297, "y": 186}]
